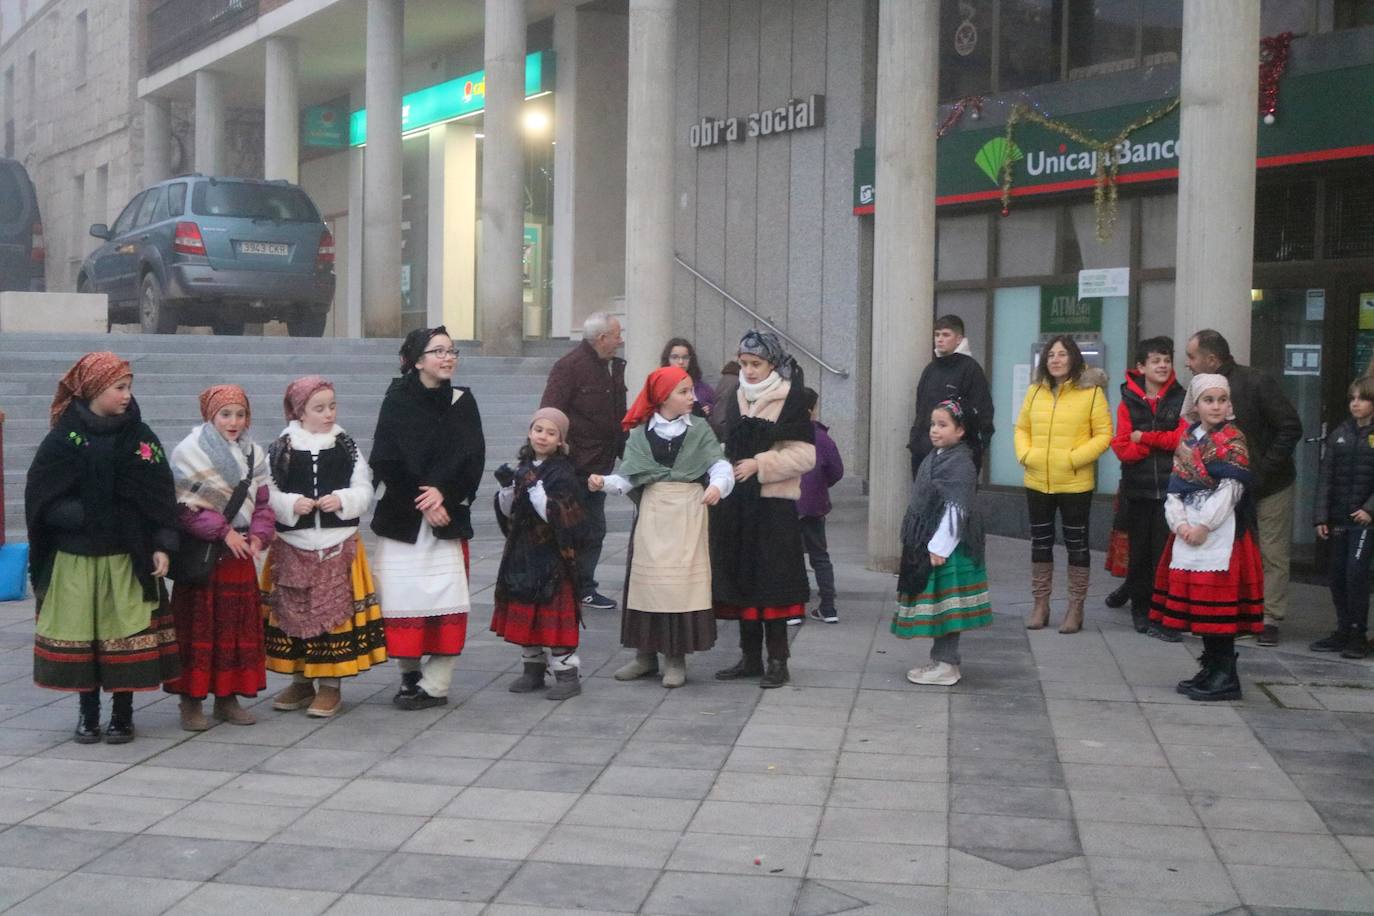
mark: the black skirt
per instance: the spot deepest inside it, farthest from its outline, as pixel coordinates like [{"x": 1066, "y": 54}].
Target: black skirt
[{"x": 757, "y": 559}]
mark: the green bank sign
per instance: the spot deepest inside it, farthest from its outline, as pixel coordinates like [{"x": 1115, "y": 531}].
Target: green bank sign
[
  {"x": 1322, "y": 116},
  {"x": 454, "y": 99}
]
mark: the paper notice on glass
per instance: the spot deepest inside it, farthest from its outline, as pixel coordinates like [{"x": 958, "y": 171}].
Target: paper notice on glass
[{"x": 1020, "y": 383}]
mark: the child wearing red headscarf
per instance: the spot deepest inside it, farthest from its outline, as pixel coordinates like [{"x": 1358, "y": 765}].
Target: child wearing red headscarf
[
  {"x": 101, "y": 516},
  {"x": 673, "y": 469},
  {"x": 542, "y": 516},
  {"x": 324, "y": 622},
  {"x": 217, "y": 468}
]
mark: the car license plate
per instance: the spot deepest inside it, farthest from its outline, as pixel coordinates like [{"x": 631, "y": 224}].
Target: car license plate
[{"x": 279, "y": 249}]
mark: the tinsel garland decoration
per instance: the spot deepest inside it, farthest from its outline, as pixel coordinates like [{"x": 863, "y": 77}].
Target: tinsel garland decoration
[
  {"x": 1104, "y": 188},
  {"x": 1273, "y": 61},
  {"x": 971, "y": 104}
]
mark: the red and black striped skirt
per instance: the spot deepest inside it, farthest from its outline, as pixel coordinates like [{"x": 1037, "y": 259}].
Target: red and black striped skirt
[
  {"x": 551, "y": 623},
  {"x": 1227, "y": 602},
  {"x": 219, "y": 630}
]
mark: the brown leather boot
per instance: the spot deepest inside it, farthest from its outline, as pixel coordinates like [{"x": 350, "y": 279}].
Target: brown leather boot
[
  {"x": 1042, "y": 581},
  {"x": 1078, "y": 593}
]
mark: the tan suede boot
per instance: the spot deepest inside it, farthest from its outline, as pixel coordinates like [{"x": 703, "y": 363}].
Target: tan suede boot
[
  {"x": 1042, "y": 581},
  {"x": 1078, "y": 592}
]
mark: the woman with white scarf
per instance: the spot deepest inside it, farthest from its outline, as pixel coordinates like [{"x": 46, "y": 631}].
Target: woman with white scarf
[{"x": 219, "y": 621}]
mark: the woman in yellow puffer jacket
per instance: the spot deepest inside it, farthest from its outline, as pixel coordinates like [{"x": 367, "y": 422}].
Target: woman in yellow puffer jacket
[{"x": 1065, "y": 424}]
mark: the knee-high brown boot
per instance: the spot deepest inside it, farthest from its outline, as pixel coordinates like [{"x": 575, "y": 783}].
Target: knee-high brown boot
[
  {"x": 1078, "y": 593},
  {"x": 1042, "y": 581}
]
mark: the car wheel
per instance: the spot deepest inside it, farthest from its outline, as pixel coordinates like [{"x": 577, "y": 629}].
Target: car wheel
[
  {"x": 155, "y": 316},
  {"x": 310, "y": 324},
  {"x": 228, "y": 327}
]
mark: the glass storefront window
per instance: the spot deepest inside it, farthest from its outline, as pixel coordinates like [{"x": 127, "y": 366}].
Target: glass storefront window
[
  {"x": 1088, "y": 251},
  {"x": 1161, "y": 30},
  {"x": 962, "y": 247},
  {"x": 965, "y": 47},
  {"x": 1286, "y": 16},
  {"x": 1102, "y": 35},
  {"x": 1157, "y": 314},
  {"x": 1353, "y": 14},
  {"x": 1158, "y": 231},
  {"x": 1026, "y": 242},
  {"x": 1030, "y": 35},
  {"x": 415, "y": 232}
]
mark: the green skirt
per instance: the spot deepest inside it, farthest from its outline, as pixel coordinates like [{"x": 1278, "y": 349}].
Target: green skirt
[
  {"x": 95, "y": 629},
  {"x": 955, "y": 599}
]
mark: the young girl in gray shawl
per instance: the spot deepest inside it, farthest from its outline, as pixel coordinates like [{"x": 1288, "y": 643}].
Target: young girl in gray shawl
[{"x": 942, "y": 588}]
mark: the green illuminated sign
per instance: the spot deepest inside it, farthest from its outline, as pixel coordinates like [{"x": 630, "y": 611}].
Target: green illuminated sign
[{"x": 466, "y": 95}]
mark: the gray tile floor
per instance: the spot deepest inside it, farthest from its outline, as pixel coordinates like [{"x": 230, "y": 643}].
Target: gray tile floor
[{"x": 1063, "y": 775}]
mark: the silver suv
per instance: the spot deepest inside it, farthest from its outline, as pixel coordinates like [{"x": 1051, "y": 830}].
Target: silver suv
[{"x": 196, "y": 250}]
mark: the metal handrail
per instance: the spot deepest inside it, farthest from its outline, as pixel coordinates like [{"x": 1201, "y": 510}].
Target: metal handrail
[{"x": 796, "y": 344}]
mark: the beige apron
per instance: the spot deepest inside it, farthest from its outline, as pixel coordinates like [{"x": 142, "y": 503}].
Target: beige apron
[{"x": 671, "y": 569}]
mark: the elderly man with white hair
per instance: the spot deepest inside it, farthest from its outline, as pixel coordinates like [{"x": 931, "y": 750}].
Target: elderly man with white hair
[{"x": 588, "y": 385}]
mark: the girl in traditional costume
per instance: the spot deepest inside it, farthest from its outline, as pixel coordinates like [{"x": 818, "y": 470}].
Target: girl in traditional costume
[
  {"x": 758, "y": 566},
  {"x": 217, "y": 468},
  {"x": 540, "y": 511},
  {"x": 1210, "y": 579},
  {"x": 674, "y": 470},
  {"x": 101, "y": 514},
  {"x": 427, "y": 457},
  {"x": 324, "y": 622},
  {"x": 942, "y": 588}
]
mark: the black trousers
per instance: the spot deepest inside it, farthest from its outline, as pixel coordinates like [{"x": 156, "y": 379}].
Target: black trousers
[
  {"x": 1073, "y": 510},
  {"x": 1147, "y": 531},
  {"x": 589, "y": 556},
  {"x": 818, "y": 552},
  {"x": 1351, "y": 552},
  {"x": 754, "y": 633}
]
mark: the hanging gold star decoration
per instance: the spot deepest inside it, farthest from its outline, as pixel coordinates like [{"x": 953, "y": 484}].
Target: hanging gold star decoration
[{"x": 1107, "y": 166}]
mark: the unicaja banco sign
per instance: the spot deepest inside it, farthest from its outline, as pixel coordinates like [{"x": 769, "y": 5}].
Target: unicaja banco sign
[{"x": 797, "y": 114}]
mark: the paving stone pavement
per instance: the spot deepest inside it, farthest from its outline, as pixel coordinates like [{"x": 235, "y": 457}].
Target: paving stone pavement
[{"x": 1063, "y": 775}]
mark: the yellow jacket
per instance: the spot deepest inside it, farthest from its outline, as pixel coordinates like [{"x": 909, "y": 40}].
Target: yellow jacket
[{"x": 1060, "y": 434}]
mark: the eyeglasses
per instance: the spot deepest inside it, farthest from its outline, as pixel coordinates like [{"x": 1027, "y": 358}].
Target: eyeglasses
[{"x": 442, "y": 352}]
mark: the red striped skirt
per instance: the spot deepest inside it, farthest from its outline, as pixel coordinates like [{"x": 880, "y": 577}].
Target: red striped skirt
[
  {"x": 550, "y": 624},
  {"x": 219, "y": 630},
  {"x": 1226, "y": 602},
  {"x": 735, "y": 612}
]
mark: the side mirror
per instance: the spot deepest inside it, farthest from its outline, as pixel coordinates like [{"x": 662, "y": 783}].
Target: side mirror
[{"x": 100, "y": 230}]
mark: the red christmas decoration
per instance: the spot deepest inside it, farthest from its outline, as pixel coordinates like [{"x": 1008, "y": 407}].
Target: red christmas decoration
[
  {"x": 973, "y": 104},
  {"x": 1273, "y": 61}
]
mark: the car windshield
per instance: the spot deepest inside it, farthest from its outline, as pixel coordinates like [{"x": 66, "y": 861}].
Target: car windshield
[{"x": 252, "y": 201}]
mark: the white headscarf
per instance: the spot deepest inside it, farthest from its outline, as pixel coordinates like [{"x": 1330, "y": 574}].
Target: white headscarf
[{"x": 1205, "y": 381}]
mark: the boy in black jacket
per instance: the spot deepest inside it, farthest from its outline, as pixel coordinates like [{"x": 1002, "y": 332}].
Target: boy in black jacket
[
  {"x": 1344, "y": 510},
  {"x": 1148, "y": 430},
  {"x": 954, "y": 375}
]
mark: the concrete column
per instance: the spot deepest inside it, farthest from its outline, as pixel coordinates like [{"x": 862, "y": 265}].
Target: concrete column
[
  {"x": 453, "y": 228},
  {"x": 382, "y": 172},
  {"x": 281, "y": 110},
  {"x": 649, "y": 184},
  {"x": 565, "y": 47},
  {"x": 1216, "y": 190},
  {"x": 499, "y": 277},
  {"x": 157, "y": 141},
  {"x": 210, "y": 122},
  {"x": 903, "y": 258}
]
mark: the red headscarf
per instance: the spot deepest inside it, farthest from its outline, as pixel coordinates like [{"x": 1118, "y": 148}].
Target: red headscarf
[
  {"x": 657, "y": 387},
  {"x": 299, "y": 393},
  {"x": 217, "y": 397},
  {"x": 92, "y": 374}
]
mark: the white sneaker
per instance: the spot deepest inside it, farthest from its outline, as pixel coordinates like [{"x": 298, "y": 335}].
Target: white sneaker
[
  {"x": 795, "y": 621},
  {"x": 939, "y": 675}
]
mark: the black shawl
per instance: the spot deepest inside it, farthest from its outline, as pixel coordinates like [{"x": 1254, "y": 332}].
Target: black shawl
[
  {"x": 100, "y": 486},
  {"x": 426, "y": 438},
  {"x": 539, "y": 555},
  {"x": 945, "y": 478}
]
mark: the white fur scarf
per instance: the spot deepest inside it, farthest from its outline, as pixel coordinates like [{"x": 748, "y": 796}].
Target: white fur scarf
[{"x": 207, "y": 467}]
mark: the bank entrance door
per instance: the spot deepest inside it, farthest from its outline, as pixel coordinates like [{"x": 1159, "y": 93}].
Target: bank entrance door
[{"x": 1306, "y": 331}]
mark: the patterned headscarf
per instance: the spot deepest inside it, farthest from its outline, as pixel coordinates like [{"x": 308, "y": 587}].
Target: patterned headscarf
[
  {"x": 299, "y": 393},
  {"x": 91, "y": 374},
  {"x": 216, "y": 397},
  {"x": 657, "y": 387},
  {"x": 768, "y": 347}
]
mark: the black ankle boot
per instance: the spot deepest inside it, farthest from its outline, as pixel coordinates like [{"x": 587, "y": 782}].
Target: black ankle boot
[
  {"x": 776, "y": 675},
  {"x": 1205, "y": 665},
  {"x": 1220, "y": 683},
  {"x": 1140, "y": 620},
  {"x": 88, "y": 719},
  {"x": 410, "y": 684},
  {"x": 121, "y": 727},
  {"x": 1119, "y": 597},
  {"x": 749, "y": 665}
]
